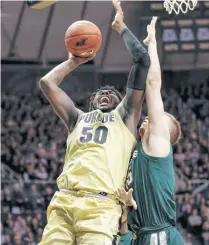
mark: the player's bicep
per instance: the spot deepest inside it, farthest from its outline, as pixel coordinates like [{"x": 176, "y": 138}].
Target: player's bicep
[
  {"x": 130, "y": 108},
  {"x": 61, "y": 103},
  {"x": 158, "y": 145}
]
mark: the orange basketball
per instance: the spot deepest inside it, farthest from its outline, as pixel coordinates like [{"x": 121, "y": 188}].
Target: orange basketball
[{"x": 83, "y": 38}]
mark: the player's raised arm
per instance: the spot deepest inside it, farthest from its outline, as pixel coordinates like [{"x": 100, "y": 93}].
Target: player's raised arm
[
  {"x": 60, "y": 101},
  {"x": 130, "y": 107},
  {"x": 158, "y": 127}
]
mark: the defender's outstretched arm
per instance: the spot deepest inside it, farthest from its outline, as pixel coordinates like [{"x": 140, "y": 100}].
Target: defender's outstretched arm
[{"x": 156, "y": 114}]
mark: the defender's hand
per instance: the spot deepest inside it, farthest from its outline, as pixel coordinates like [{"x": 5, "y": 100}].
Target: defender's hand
[
  {"x": 118, "y": 23},
  {"x": 151, "y": 31},
  {"x": 79, "y": 60},
  {"x": 127, "y": 197}
]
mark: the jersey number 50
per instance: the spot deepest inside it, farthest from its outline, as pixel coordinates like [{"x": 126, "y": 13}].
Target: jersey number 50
[{"x": 99, "y": 136}]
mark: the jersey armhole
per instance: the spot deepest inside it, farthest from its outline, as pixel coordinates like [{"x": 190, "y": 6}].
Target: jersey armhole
[
  {"x": 140, "y": 146},
  {"x": 80, "y": 114},
  {"x": 125, "y": 127}
]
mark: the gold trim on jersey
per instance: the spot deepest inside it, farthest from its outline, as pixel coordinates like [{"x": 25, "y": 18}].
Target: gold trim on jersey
[{"x": 81, "y": 193}]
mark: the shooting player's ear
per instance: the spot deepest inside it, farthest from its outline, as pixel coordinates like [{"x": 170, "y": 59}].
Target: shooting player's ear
[{"x": 39, "y": 4}]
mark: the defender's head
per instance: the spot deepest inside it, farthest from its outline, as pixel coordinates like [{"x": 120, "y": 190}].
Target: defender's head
[
  {"x": 173, "y": 124},
  {"x": 105, "y": 99}
]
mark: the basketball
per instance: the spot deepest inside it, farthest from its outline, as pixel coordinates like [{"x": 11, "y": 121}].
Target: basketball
[{"x": 83, "y": 38}]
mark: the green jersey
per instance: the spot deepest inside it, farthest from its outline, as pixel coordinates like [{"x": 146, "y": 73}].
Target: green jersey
[{"x": 153, "y": 182}]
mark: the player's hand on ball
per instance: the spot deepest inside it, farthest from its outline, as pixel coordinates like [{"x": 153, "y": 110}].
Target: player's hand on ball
[
  {"x": 117, "y": 23},
  {"x": 127, "y": 197},
  {"x": 80, "y": 60},
  {"x": 151, "y": 31}
]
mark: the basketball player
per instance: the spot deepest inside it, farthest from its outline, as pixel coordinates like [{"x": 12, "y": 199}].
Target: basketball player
[
  {"x": 86, "y": 209},
  {"x": 151, "y": 172}
]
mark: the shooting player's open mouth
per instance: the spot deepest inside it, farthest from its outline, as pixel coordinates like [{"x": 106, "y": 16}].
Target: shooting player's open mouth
[{"x": 104, "y": 100}]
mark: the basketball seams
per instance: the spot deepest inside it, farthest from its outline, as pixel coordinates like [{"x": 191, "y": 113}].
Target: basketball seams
[
  {"x": 86, "y": 48},
  {"x": 87, "y": 23},
  {"x": 83, "y": 35}
]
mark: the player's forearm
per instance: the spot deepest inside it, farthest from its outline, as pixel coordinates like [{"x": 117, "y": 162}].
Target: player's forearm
[
  {"x": 136, "y": 49},
  {"x": 154, "y": 76},
  {"x": 124, "y": 227},
  {"x": 56, "y": 75},
  {"x": 119, "y": 27},
  {"x": 141, "y": 61}
]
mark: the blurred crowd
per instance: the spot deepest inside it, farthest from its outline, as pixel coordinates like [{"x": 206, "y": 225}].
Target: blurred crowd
[
  {"x": 191, "y": 156},
  {"x": 33, "y": 146},
  {"x": 24, "y": 212},
  {"x": 197, "y": 98},
  {"x": 193, "y": 215},
  {"x": 33, "y": 139}
]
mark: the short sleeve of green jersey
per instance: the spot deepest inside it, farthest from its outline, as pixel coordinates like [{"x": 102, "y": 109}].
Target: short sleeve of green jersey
[{"x": 125, "y": 239}]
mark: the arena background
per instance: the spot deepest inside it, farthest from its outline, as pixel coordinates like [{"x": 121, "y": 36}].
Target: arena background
[{"x": 32, "y": 137}]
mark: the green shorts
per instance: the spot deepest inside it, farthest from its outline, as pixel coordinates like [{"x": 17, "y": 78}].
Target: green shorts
[{"x": 169, "y": 236}]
